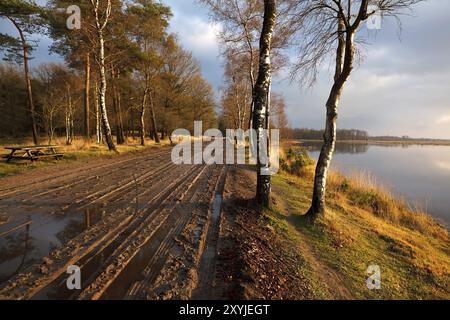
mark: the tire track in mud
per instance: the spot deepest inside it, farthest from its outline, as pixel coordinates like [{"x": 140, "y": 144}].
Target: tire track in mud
[
  {"x": 69, "y": 198},
  {"x": 94, "y": 258},
  {"x": 71, "y": 202},
  {"x": 121, "y": 198},
  {"x": 179, "y": 219},
  {"x": 115, "y": 213},
  {"x": 165, "y": 212},
  {"x": 99, "y": 173},
  {"x": 174, "y": 271},
  {"x": 86, "y": 179},
  {"x": 207, "y": 264},
  {"x": 139, "y": 247},
  {"x": 104, "y": 193},
  {"x": 123, "y": 186}
]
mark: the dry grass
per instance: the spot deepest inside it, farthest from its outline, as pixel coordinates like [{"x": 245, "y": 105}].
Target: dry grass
[
  {"x": 79, "y": 149},
  {"x": 359, "y": 230},
  {"x": 295, "y": 160},
  {"x": 363, "y": 190},
  {"x": 78, "y": 144}
]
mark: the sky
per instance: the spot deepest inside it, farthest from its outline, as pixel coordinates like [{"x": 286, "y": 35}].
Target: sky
[{"x": 401, "y": 87}]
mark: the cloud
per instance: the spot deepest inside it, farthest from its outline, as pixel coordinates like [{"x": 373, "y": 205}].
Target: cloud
[
  {"x": 199, "y": 35},
  {"x": 400, "y": 87},
  {"x": 443, "y": 119}
]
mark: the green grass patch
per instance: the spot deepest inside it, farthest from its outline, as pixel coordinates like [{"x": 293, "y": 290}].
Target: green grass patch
[{"x": 278, "y": 224}]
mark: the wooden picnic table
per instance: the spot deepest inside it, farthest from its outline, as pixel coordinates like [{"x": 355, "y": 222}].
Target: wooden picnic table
[{"x": 33, "y": 153}]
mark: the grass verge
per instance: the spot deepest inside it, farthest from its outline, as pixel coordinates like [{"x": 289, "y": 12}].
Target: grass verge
[{"x": 365, "y": 225}]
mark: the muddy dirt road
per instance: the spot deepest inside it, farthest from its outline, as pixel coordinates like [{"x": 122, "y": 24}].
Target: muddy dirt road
[{"x": 135, "y": 224}]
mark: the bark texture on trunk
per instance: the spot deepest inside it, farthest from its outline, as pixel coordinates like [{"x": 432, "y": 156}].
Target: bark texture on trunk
[
  {"x": 31, "y": 109},
  {"x": 101, "y": 20},
  {"x": 262, "y": 90},
  {"x": 69, "y": 119},
  {"x": 142, "y": 117},
  {"x": 117, "y": 108},
  {"x": 252, "y": 80},
  {"x": 87, "y": 90},
  {"x": 102, "y": 94},
  {"x": 154, "y": 127},
  {"x": 98, "y": 120}
]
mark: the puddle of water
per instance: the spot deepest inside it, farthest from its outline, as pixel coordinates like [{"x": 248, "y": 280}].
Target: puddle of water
[
  {"x": 90, "y": 266},
  {"x": 91, "y": 263},
  {"x": 216, "y": 206},
  {"x": 210, "y": 249},
  {"x": 26, "y": 246},
  {"x": 209, "y": 253}
]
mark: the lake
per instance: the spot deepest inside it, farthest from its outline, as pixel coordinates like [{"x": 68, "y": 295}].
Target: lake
[{"x": 419, "y": 173}]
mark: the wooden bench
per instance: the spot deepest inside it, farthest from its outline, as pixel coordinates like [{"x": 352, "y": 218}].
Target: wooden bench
[{"x": 33, "y": 153}]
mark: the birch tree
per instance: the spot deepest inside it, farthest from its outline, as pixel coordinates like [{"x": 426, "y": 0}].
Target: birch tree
[
  {"x": 241, "y": 22},
  {"x": 102, "y": 16},
  {"x": 262, "y": 98},
  {"x": 237, "y": 94},
  {"x": 69, "y": 116},
  {"x": 278, "y": 117},
  {"x": 330, "y": 27}
]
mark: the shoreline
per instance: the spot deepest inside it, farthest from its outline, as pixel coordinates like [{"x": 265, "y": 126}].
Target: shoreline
[
  {"x": 363, "y": 227},
  {"x": 368, "y": 183},
  {"x": 381, "y": 142}
]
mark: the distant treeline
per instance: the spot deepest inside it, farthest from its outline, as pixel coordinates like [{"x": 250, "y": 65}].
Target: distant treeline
[
  {"x": 350, "y": 134},
  {"x": 342, "y": 134},
  {"x": 405, "y": 138}
]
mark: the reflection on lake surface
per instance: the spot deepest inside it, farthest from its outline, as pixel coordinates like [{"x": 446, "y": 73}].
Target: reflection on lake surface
[{"x": 420, "y": 173}]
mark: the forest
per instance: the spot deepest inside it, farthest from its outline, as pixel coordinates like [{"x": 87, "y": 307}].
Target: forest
[{"x": 124, "y": 75}]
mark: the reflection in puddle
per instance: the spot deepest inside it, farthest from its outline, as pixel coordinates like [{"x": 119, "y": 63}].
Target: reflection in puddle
[
  {"x": 16, "y": 249},
  {"x": 216, "y": 207},
  {"x": 26, "y": 243}
]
